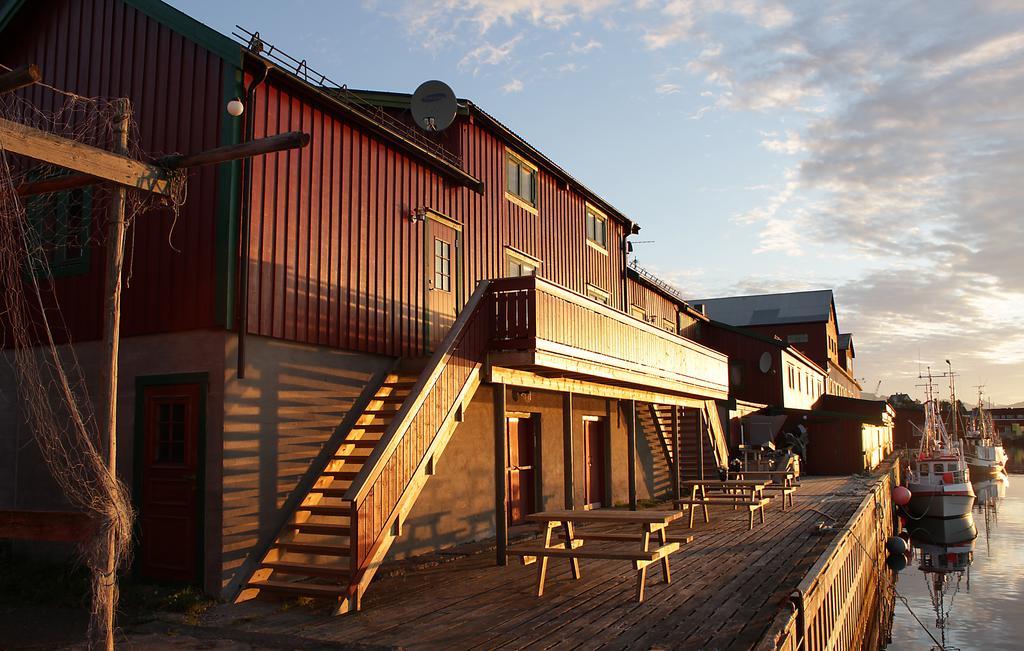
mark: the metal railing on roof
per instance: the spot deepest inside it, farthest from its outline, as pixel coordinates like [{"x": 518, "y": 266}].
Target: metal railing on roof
[
  {"x": 301, "y": 70},
  {"x": 663, "y": 285}
]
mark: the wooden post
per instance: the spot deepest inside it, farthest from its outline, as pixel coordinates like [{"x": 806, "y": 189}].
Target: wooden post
[
  {"x": 631, "y": 451},
  {"x": 103, "y": 629},
  {"x": 675, "y": 453},
  {"x": 19, "y": 77},
  {"x": 700, "y": 443},
  {"x": 500, "y": 464},
  {"x": 567, "y": 452}
]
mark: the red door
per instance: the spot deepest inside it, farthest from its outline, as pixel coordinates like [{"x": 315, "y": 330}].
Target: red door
[
  {"x": 521, "y": 475},
  {"x": 169, "y": 504},
  {"x": 442, "y": 256},
  {"x": 594, "y": 460}
]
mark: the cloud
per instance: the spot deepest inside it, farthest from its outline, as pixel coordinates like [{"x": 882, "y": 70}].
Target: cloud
[
  {"x": 792, "y": 144},
  {"x": 514, "y": 86},
  {"x": 489, "y": 55},
  {"x": 667, "y": 88},
  {"x": 587, "y": 47}
]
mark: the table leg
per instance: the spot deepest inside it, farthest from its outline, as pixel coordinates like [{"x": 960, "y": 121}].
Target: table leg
[
  {"x": 693, "y": 505},
  {"x": 704, "y": 499},
  {"x": 641, "y": 575},
  {"x": 542, "y": 562},
  {"x": 663, "y": 540},
  {"x": 574, "y": 563}
]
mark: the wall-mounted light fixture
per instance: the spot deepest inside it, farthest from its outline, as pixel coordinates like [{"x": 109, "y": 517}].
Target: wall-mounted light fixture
[{"x": 521, "y": 395}]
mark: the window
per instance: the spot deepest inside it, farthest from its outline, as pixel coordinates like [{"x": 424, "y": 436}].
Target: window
[
  {"x": 938, "y": 468},
  {"x": 518, "y": 263},
  {"x": 598, "y": 295},
  {"x": 667, "y": 325},
  {"x": 796, "y": 339},
  {"x": 520, "y": 181},
  {"x": 924, "y": 469},
  {"x": 170, "y": 432},
  {"x": 59, "y": 223},
  {"x": 638, "y": 312},
  {"x": 442, "y": 265},
  {"x": 597, "y": 228}
]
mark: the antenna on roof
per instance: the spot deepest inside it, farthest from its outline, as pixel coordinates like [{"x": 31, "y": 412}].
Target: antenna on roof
[{"x": 434, "y": 105}]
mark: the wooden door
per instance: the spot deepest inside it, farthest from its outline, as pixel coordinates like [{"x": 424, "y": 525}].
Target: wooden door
[
  {"x": 170, "y": 501},
  {"x": 521, "y": 469},
  {"x": 442, "y": 277},
  {"x": 594, "y": 460}
]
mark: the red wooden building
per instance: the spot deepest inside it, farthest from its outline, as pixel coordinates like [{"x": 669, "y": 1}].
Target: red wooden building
[
  {"x": 439, "y": 331},
  {"x": 807, "y": 320}
]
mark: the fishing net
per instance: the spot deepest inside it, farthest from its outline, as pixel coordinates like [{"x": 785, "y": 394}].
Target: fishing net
[{"x": 41, "y": 237}]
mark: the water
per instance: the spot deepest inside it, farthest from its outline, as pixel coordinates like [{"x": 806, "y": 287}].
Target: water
[{"x": 982, "y": 594}]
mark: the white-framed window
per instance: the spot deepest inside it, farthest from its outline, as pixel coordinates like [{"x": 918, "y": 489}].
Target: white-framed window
[
  {"x": 518, "y": 263},
  {"x": 520, "y": 180},
  {"x": 442, "y": 265},
  {"x": 599, "y": 295},
  {"x": 597, "y": 228}
]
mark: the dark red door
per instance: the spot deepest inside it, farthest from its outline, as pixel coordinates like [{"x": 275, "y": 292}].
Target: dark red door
[
  {"x": 169, "y": 505},
  {"x": 594, "y": 458},
  {"x": 520, "y": 469}
]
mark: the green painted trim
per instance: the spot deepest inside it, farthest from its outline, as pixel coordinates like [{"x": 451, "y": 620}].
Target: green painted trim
[
  {"x": 190, "y": 28},
  {"x": 8, "y": 11},
  {"x": 229, "y": 181},
  {"x": 139, "y": 446}
]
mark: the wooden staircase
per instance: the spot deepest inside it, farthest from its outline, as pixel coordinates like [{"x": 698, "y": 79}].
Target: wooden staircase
[
  {"x": 311, "y": 556},
  {"x": 656, "y": 423},
  {"x": 701, "y": 442},
  {"x": 340, "y": 533}
]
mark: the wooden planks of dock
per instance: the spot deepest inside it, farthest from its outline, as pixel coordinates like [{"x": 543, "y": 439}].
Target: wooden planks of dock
[{"x": 728, "y": 585}]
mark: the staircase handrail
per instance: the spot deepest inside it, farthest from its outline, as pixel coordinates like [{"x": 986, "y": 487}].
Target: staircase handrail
[{"x": 410, "y": 410}]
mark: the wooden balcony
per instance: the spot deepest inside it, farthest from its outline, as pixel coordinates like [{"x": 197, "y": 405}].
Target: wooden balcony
[{"x": 553, "y": 332}]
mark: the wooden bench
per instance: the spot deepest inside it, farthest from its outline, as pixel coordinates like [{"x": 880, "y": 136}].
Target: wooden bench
[
  {"x": 754, "y": 505},
  {"x": 787, "y": 493},
  {"x": 572, "y": 546}
]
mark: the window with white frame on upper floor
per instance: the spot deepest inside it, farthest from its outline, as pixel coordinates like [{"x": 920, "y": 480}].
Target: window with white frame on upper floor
[
  {"x": 520, "y": 181},
  {"x": 638, "y": 312},
  {"x": 597, "y": 228}
]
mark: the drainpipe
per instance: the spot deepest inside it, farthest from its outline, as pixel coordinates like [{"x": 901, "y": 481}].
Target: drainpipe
[{"x": 246, "y": 209}]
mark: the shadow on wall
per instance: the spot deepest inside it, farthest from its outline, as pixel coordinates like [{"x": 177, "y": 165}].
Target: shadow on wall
[{"x": 276, "y": 423}]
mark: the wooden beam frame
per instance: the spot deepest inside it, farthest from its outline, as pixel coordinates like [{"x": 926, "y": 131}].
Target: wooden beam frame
[
  {"x": 567, "y": 451},
  {"x": 529, "y": 379},
  {"x": 500, "y": 463},
  {"x": 227, "y": 153},
  {"x": 631, "y": 451},
  {"x": 85, "y": 159},
  {"x": 20, "y": 77},
  {"x": 675, "y": 453}
]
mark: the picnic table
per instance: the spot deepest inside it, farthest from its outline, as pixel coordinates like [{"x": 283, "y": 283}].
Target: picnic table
[
  {"x": 734, "y": 493},
  {"x": 780, "y": 481},
  {"x": 644, "y": 525}
]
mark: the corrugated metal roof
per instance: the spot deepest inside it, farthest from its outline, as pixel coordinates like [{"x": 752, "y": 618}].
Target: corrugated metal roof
[{"x": 769, "y": 309}]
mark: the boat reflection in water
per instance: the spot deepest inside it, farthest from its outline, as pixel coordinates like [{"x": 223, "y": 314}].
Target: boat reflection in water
[
  {"x": 989, "y": 494},
  {"x": 944, "y": 548}
]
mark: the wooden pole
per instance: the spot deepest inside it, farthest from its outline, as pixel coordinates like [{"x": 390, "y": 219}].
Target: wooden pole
[
  {"x": 631, "y": 451},
  {"x": 675, "y": 453},
  {"x": 103, "y": 629},
  {"x": 20, "y": 77},
  {"x": 500, "y": 465},
  {"x": 567, "y": 461}
]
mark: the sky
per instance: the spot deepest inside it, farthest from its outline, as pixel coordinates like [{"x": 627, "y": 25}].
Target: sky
[{"x": 871, "y": 147}]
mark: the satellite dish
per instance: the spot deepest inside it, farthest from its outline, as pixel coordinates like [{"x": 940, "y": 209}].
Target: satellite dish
[
  {"x": 434, "y": 105},
  {"x": 765, "y": 363}
]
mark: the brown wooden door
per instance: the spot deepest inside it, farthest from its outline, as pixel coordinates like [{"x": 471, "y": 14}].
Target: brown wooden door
[
  {"x": 594, "y": 460},
  {"x": 169, "y": 504},
  {"x": 521, "y": 469},
  {"x": 442, "y": 256}
]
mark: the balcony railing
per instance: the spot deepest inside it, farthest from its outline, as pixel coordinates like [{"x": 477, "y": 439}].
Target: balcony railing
[{"x": 551, "y": 326}]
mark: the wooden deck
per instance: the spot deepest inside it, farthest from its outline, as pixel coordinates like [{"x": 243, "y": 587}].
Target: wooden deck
[{"x": 727, "y": 586}]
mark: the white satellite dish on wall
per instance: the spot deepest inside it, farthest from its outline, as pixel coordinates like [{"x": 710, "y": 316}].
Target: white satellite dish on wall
[
  {"x": 765, "y": 363},
  {"x": 434, "y": 106}
]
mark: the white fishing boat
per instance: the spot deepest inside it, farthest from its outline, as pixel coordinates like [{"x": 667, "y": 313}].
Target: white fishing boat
[
  {"x": 939, "y": 481},
  {"x": 984, "y": 451}
]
